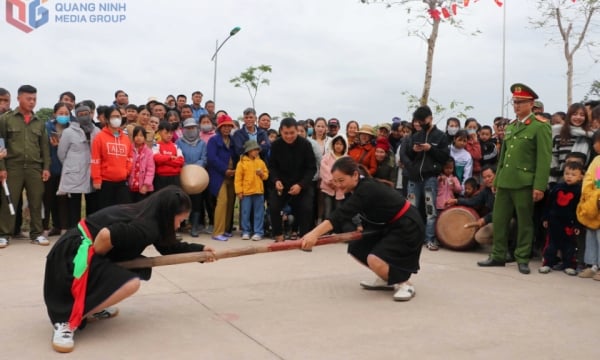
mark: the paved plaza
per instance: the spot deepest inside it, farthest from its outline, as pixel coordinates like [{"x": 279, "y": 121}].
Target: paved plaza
[{"x": 298, "y": 305}]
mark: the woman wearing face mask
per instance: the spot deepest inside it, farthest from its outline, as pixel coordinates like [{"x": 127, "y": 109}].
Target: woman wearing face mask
[
  {"x": 74, "y": 153},
  {"x": 207, "y": 131},
  {"x": 194, "y": 152},
  {"x": 54, "y": 205},
  {"x": 452, "y": 127},
  {"x": 473, "y": 146},
  {"x": 111, "y": 161}
]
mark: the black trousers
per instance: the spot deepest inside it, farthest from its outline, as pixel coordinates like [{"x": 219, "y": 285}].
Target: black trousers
[
  {"x": 113, "y": 193},
  {"x": 302, "y": 207}
]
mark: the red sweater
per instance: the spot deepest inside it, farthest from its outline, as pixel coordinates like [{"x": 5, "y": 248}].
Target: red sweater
[
  {"x": 111, "y": 157},
  {"x": 165, "y": 164}
]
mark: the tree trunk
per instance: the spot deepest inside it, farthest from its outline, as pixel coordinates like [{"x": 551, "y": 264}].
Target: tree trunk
[
  {"x": 569, "y": 80},
  {"x": 431, "y": 40}
]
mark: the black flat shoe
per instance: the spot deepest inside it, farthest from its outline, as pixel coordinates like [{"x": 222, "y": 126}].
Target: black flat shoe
[
  {"x": 490, "y": 262},
  {"x": 524, "y": 269}
]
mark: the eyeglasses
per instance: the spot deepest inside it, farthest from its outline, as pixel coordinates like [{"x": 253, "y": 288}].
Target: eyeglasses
[{"x": 519, "y": 102}]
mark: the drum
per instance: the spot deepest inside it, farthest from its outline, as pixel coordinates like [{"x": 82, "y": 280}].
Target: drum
[
  {"x": 194, "y": 179},
  {"x": 451, "y": 231}
]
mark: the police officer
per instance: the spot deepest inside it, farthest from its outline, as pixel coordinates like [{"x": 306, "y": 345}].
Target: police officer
[{"x": 522, "y": 177}]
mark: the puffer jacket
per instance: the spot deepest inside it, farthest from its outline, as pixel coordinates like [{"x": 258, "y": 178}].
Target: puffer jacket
[
  {"x": 75, "y": 155},
  {"x": 588, "y": 213},
  {"x": 325, "y": 169},
  {"x": 247, "y": 181}
]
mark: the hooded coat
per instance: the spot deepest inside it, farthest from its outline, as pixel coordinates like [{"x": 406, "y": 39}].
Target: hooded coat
[{"x": 327, "y": 162}]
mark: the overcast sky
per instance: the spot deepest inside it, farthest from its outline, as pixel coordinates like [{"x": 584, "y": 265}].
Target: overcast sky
[{"x": 334, "y": 58}]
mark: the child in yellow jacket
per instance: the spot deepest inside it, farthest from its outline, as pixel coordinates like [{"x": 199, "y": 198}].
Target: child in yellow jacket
[
  {"x": 250, "y": 173},
  {"x": 588, "y": 214}
]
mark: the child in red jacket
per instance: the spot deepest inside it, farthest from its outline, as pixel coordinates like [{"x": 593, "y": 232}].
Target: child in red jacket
[{"x": 167, "y": 157}]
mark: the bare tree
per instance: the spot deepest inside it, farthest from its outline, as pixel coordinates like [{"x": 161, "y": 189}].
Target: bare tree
[
  {"x": 573, "y": 19},
  {"x": 425, "y": 18}
]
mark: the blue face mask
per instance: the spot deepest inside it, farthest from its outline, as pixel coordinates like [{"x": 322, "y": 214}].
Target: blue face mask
[
  {"x": 63, "y": 119},
  {"x": 309, "y": 132}
]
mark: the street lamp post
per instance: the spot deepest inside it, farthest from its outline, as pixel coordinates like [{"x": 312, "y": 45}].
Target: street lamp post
[{"x": 218, "y": 47}]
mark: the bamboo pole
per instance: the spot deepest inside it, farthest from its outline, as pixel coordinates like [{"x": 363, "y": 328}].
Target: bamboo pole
[{"x": 200, "y": 256}]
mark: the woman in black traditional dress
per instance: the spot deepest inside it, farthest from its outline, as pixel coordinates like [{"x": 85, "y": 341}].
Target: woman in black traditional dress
[
  {"x": 392, "y": 251},
  {"x": 82, "y": 278}
]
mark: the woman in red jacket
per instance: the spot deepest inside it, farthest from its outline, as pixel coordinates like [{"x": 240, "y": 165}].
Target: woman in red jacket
[
  {"x": 364, "y": 152},
  {"x": 111, "y": 161},
  {"x": 167, "y": 157}
]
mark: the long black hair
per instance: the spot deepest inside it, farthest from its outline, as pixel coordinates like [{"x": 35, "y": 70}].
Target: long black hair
[
  {"x": 348, "y": 166},
  {"x": 160, "y": 207}
]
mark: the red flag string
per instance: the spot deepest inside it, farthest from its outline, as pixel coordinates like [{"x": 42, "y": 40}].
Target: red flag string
[{"x": 453, "y": 10}]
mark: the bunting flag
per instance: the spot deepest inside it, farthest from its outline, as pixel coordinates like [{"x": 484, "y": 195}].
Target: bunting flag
[
  {"x": 453, "y": 9},
  {"x": 446, "y": 13},
  {"x": 435, "y": 14}
]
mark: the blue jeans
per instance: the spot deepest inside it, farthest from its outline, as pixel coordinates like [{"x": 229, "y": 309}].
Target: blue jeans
[
  {"x": 253, "y": 204},
  {"x": 415, "y": 193}
]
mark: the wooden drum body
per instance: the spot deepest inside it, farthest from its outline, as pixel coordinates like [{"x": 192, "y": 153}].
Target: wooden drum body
[{"x": 450, "y": 228}]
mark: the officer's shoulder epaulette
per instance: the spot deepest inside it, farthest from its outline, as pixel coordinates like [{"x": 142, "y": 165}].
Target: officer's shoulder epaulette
[{"x": 540, "y": 118}]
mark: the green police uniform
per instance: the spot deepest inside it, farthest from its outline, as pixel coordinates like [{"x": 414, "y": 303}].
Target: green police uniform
[
  {"x": 524, "y": 165},
  {"x": 28, "y": 154}
]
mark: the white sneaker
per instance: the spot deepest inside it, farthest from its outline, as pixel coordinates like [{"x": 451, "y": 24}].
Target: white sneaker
[
  {"x": 245, "y": 236},
  {"x": 404, "y": 292},
  {"x": 544, "y": 269},
  {"x": 41, "y": 240},
  {"x": 62, "y": 341},
  {"x": 377, "y": 284},
  {"x": 256, "y": 238},
  {"x": 570, "y": 271},
  {"x": 109, "y": 312},
  {"x": 3, "y": 242}
]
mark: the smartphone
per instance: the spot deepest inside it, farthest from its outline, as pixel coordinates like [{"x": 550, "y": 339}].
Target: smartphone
[{"x": 2, "y": 143}]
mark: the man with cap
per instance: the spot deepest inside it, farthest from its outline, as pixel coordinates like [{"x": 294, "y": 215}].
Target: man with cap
[
  {"x": 424, "y": 154},
  {"x": 521, "y": 178},
  {"x": 249, "y": 131},
  {"x": 333, "y": 126},
  {"x": 538, "y": 107}
]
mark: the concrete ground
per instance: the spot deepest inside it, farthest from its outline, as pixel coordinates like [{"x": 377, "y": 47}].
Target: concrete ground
[{"x": 298, "y": 305}]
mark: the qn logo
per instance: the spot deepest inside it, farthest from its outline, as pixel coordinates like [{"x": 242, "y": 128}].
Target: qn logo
[{"x": 26, "y": 15}]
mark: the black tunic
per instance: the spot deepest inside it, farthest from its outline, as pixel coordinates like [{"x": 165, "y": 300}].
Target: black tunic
[
  {"x": 398, "y": 243},
  {"x": 129, "y": 239}
]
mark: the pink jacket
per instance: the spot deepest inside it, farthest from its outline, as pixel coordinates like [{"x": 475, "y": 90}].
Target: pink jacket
[
  {"x": 146, "y": 159},
  {"x": 325, "y": 169},
  {"x": 446, "y": 191}
]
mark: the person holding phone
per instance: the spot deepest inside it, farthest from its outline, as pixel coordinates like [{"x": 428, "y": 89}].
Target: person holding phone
[{"x": 424, "y": 154}]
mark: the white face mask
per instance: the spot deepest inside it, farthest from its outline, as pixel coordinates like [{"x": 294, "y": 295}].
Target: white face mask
[
  {"x": 115, "y": 122},
  {"x": 452, "y": 130},
  {"x": 471, "y": 131}
]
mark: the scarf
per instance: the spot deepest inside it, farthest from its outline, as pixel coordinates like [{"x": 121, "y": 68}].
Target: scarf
[{"x": 190, "y": 137}]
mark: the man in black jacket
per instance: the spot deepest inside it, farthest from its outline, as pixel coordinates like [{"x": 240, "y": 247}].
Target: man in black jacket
[
  {"x": 292, "y": 166},
  {"x": 424, "y": 155}
]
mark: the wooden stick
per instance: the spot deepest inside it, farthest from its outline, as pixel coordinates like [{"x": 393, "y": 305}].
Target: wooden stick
[
  {"x": 229, "y": 253},
  {"x": 469, "y": 225}
]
